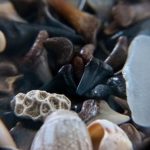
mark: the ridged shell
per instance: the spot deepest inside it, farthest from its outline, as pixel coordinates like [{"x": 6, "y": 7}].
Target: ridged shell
[
  {"x": 37, "y": 104},
  {"x": 106, "y": 135},
  {"x": 62, "y": 130}
]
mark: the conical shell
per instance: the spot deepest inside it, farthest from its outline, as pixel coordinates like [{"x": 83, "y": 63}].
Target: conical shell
[
  {"x": 106, "y": 135},
  {"x": 62, "y": 130}
]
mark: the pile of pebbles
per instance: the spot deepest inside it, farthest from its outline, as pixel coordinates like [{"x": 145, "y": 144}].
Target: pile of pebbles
[{"x": 74, "y": 75}]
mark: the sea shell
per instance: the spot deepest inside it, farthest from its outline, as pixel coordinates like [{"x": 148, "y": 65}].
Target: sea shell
[
  {"x": 6, "y": 140},
  {"x": 37, "y": 104},
  {"x": 106, "y": 135},
  {"x": 93, "y": 110},
  {"x": 136, "y": 74},
  {"x": 134, "y": 135},
  {"x": 2, "y": 42},
  {"x": 62, "y": 130}
]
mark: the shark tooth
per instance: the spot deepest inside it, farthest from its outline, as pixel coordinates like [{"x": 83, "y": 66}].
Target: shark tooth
[{"x": 93, "y": 110}]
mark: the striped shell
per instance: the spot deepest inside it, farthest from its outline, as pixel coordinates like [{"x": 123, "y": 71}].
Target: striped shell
[
  {"x": 37, "y": 104},
  {"x": 62, "y": 130},
  {"x": 106, "y": 135}
]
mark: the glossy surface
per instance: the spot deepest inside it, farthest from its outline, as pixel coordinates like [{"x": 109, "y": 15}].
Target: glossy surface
[{"x": 136, "y": 74}]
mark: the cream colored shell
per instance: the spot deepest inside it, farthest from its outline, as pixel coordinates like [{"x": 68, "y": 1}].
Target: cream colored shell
[
  {"x": 37, "y": 104},
  {"x": 6, "y": 141},
  {"x": 62, "y": 130},
  {"x": 2, "y": 42},
  {"x": 113, "y": 138}
]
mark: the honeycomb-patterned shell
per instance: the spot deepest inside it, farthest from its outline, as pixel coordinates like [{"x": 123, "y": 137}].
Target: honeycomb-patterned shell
[
  {"x": 37, "y": 105},
  {"x": 62, "y": 130}
]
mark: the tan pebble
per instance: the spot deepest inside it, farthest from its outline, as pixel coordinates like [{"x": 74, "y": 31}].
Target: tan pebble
[{"x": 2, "y": 42}]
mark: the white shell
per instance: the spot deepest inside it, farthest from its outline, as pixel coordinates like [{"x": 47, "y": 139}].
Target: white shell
[
  {"x": 114, "y": 137},
  {"x": 137, "y": 75},
  {"x": 62, "y": 130},
  {"x": 38, "y": 104}
]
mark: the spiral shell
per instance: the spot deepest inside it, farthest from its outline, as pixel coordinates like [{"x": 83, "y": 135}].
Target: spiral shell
[
  {"x": 37, "y": 104},
  {"x": 62, "y": 130},
  {"x": 106, "y": 135}
]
